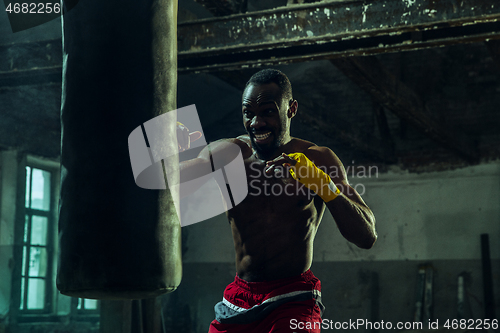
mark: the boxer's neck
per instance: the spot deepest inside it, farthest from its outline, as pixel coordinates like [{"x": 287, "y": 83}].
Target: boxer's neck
[{"x": 287, "y": 147}]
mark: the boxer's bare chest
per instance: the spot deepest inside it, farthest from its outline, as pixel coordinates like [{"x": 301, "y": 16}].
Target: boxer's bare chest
[
  {"x": 271, "y": 197},
  {"x": 274, "y": 226}
]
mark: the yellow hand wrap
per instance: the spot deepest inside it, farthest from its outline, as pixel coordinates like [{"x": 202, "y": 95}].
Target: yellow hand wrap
[{"x": 315, "y": 179}]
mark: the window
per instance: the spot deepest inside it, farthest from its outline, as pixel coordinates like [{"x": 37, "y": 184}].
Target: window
[
  {"x": 87, "y": 305},
  {"x": 37, "y": 246},
  {"x": 33, "y": 184},
  {"x": 38, "y": 293}
]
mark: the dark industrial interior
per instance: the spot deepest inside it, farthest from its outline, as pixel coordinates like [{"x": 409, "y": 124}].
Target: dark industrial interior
[{"x": 405, "y": 92}]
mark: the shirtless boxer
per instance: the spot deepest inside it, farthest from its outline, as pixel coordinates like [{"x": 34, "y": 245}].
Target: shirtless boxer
[{"x": 274, "y": 226}]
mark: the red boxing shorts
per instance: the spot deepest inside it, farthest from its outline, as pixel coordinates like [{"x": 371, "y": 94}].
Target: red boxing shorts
[{"x": 285, "y": 305}]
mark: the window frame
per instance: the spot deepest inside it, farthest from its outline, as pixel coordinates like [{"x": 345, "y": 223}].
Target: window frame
[
  {"x": 49, "y": 247},
  {"x": 48, "y": 313}
]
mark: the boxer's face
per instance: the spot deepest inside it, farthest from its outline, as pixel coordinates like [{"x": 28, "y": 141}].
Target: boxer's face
[{"x": 265, "y": 117}]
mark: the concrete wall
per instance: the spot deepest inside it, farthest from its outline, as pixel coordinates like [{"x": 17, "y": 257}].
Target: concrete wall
[
  {"x": 8, "y": 187},
  {"x": 432, "y": 218}
]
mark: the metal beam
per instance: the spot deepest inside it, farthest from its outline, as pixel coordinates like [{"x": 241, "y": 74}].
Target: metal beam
[
  {"x": 393, "y": 94},
  {"x": 322, "y": 30},
  {"x": 330, "y": 29}
]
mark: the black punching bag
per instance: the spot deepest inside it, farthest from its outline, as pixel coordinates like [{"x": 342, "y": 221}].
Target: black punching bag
[{"x": 117, "y": 240}]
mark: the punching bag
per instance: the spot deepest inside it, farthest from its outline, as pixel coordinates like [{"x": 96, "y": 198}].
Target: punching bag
[{"x": 116, "y": 239}]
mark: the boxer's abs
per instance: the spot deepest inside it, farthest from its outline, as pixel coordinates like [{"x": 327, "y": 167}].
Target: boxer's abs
[{"x": 273, "y": 235}]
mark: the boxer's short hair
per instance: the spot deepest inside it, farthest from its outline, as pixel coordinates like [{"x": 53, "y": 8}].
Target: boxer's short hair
[{"x": 272, "y": 75}]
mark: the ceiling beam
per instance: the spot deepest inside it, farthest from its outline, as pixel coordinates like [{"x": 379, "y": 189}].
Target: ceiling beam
[
  {"x": 369, "y": 74},
  {"x": 304, "y": 32},
  {"x": 330, "y": 29}
]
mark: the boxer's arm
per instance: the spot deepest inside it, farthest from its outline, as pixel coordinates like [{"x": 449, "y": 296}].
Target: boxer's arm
[
  {"x": 354, "y": 218},
  {"x": 185, "y": 137},
  {"x": 202, "y": 164}
]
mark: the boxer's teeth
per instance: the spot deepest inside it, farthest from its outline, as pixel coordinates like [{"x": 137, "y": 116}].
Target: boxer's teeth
[{"x": 262, "y": 136}]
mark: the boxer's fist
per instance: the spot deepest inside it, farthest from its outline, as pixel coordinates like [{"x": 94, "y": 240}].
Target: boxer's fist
[
  {"x": 315, "y": 179},
  {"x": 184, "y": 138},
  {"x": 306, "y": 172}
]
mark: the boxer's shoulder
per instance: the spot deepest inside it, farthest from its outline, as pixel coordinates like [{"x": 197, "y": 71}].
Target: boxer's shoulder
[
  {"x": 245, "y": 138},
  {"x": 318, "y": 154},
  {"x": 300, "y": 145},
  {"x": 243, "y": 141},
  {"x": 222, "y": 145}
]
